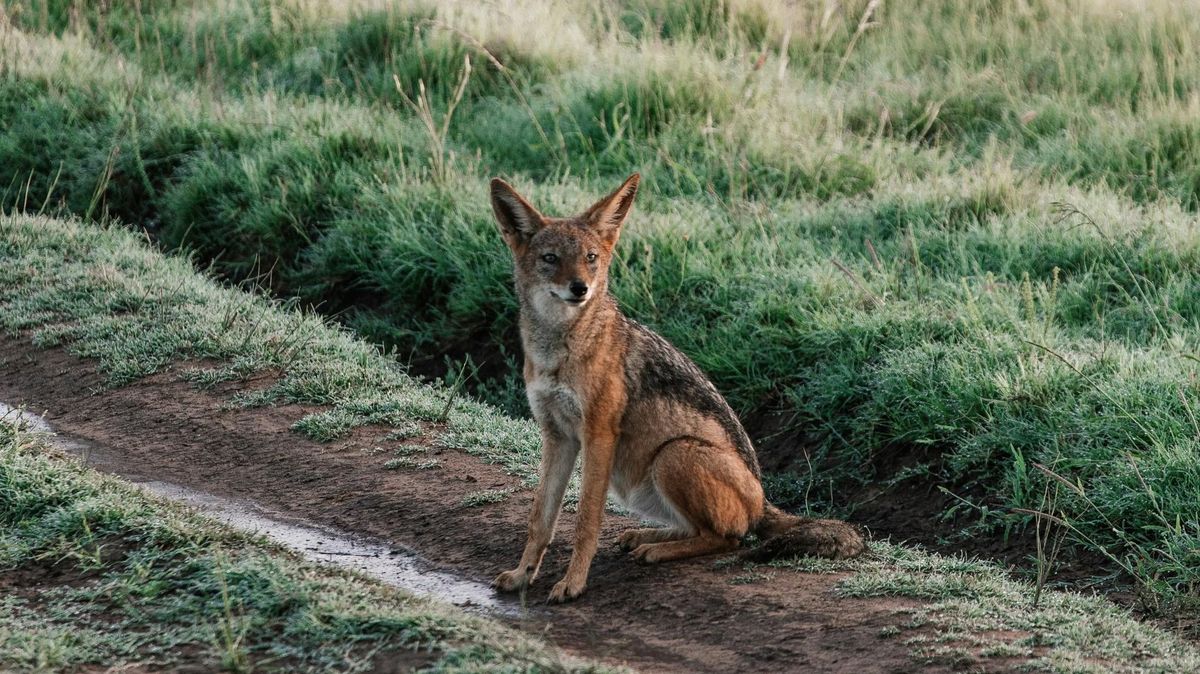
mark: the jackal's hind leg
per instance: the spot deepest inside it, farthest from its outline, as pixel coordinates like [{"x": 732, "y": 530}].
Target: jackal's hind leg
[
  {"x": 695, "y": 546},
  {"x": 635, "y": 538},
  {"x": 712, "y": 489}
]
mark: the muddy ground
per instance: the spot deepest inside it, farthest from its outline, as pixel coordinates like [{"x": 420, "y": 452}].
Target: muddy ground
[{"x": 692, "y": 616}]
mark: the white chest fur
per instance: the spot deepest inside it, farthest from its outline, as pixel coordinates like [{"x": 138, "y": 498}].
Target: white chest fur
[{"x": 556, "y": 405}]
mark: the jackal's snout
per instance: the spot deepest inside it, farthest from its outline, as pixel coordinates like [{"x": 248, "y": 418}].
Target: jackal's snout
[{"x": 576, "y": 291}]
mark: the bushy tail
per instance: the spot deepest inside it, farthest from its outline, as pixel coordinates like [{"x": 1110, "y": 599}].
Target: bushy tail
[{"x": 787, "y": 535}]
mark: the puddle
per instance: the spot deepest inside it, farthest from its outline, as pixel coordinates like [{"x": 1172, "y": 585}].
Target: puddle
[
  {"x": 395, "y": 566},
  {"x": 24, "y": 418}
]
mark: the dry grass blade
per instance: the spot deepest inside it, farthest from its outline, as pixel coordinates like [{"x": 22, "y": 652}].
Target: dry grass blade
[
  {"x": 858, "y": 283},
  {"x": 865, "y": 22},
  {"x": 1059, "y": 478},
  {"x": 436, "y": 132}
]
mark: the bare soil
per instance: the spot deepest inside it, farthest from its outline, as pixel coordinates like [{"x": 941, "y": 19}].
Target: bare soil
[{"x": 691, "y": 616}]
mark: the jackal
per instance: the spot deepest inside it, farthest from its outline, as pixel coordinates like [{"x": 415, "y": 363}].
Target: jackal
[{"x": 652, "y": 428}]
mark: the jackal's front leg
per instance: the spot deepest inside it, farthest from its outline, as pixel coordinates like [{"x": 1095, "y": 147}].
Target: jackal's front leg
[
  {"x": 558, "y": 460},
  {"x": 599, "y": 448}
]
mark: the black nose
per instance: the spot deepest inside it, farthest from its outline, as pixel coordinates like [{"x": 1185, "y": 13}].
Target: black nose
[{"x": 578, "y": 288}]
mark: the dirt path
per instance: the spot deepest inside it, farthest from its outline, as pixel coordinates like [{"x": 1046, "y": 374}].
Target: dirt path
[{"x": 679, "y": 617}]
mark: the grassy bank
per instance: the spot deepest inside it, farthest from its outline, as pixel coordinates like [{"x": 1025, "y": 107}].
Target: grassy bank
[
  {"x": 96, "y": 573},
  {"x": 975, "y": 610},
  {"x": 238, "y": 602},
  {"x": 957, "y": 242}
]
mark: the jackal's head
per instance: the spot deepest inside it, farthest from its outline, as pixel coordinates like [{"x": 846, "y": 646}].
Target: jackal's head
[{"x": 561, "y": 263}]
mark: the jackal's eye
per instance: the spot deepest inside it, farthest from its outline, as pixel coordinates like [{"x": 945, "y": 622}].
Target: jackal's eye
[
  {"x": 591, "y": 257},
  {"x": 550, "y": 257}
]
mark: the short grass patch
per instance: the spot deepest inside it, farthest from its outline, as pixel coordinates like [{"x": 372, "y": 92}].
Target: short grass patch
[
  {"x": 978, "y": 611},
  {"x": 484, "y": 497},
  {"x": 411, "y": 463}
]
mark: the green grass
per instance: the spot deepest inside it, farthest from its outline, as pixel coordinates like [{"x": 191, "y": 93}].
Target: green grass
[
  {"x": 484, "y": 497},
  {"x": 130, "y": 580},
  {"x": 409, "y": 463},
  {"x": 852, "y": 218},
  {"x": 975, "y": 609}
]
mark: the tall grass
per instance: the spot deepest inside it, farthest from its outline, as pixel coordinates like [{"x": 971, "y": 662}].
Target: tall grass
[{"x": 849, "y": 214}]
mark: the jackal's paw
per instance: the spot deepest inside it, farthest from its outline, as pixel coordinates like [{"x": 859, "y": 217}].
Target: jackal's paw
[
  {"x": 647, "y": 553},
  {"x": 565, "y": 590},
  {"x": 511, "y": 581},
  {"x": 631, "y": 538}
]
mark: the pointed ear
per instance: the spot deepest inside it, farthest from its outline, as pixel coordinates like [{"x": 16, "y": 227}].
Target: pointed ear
[
  {"x": 518, "y": 220},
  {"x": 608, "y": 214}
]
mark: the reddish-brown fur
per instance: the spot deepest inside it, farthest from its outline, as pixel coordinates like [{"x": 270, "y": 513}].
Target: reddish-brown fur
[{"x": 651, "y": 428}]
